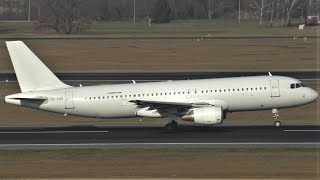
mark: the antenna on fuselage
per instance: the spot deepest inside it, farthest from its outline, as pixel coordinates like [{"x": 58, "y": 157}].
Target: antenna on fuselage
[
  {"x": 133, "y": 81},
  {"x": 270, "y": 74}
]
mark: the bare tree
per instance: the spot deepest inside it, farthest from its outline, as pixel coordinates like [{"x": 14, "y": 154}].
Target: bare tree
[
  {"x": 278, "y": 12},
  {"x": 312, "y": 7},
  {"x": 271, "y": 12},
  {"x": 289, "y": 7},
  {"x": 261, "y": 6},
  {"x": 213, "y": 8},
  {"x": 64, "y": 17}
]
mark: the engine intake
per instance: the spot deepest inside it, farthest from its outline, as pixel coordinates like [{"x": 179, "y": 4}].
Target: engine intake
[{"x": 205, "y": 115}]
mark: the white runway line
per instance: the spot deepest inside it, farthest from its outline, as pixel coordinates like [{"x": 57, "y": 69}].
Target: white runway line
[
  {"x": 302, "y": 130},
  {"x": 152, "y": 144},
  {"x": 52, "y": 132}
]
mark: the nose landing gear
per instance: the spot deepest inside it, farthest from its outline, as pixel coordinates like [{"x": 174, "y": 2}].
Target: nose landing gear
[
  {"x": 275, "y": 115},
  {"x": 170, "y": 127}
]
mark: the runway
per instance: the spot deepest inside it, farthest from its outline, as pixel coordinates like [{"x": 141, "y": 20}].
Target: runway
[
  {"x": 153, "y": 38},
  {"x": 162, "y": 76},
  {"x": 223, "y": 136}
]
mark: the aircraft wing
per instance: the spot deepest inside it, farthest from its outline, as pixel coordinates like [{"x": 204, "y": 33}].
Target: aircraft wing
[
  {"x": 157, "y": 104},
  {"x": 172, "y": 104}
]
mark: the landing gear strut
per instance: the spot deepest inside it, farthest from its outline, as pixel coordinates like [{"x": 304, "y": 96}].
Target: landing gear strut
[
  {"x": 275, "y": 115},
  {"x": 171, "y": 126}
]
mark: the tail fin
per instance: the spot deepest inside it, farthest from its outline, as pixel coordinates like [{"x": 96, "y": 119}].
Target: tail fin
[{"x": 32, "y": 74}]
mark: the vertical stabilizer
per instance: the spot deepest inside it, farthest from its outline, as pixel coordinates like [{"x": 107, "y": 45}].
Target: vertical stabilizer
[{"x": 32, "y": 74}]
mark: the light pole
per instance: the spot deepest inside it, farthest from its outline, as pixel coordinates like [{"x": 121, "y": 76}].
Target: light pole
[
  {"x": 29, "y": 8},
  {"x": 134, "y": 11},
  {"x": 239, "y": 18}
]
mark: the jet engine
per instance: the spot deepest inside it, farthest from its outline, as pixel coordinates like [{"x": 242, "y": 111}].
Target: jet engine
[{"x": 205, "y": 115}]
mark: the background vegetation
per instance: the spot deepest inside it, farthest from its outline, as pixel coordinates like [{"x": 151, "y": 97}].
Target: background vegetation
[{"x": 76, "y": 15}]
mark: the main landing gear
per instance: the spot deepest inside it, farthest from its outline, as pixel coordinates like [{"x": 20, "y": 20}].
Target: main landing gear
[
  {"x": 171, "y": 126},
  {"x": 275, "y": 115}
]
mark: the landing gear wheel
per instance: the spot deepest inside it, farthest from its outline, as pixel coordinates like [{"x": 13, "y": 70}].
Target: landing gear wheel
[
  {"x": 170, "y": 127},
  {"x": 277, "y": 123},
  {"x": 174, "y": 124}
]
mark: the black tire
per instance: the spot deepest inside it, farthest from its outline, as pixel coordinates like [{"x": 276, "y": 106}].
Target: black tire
[{"x": 174, "y": 125}]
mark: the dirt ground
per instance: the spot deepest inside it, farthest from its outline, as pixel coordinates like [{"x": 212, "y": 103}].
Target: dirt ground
[
  {"x": 12, "y": 115},
  {"x": 172, "y": 55},
  {"x": 161, "y": 163}
]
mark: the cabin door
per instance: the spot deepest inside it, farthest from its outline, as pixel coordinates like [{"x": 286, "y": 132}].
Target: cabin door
[
  {"x": 69, "y": 100},
  {"x": 275, "y": 90}
]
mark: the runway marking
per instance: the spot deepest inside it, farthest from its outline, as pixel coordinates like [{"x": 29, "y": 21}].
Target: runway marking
[
  {"x": 52, "y": 132},
  {"x": 302, "y": 130},
  {"x": 132, "y": 144}
]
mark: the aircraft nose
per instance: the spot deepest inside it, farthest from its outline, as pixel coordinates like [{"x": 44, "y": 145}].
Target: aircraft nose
[{"x": 314, "y": 95}]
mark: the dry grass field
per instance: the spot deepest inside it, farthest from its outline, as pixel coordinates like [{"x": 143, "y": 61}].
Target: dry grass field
[
  {"x": 181, "y": 28},
  {"x": 172, "y": 55},
  {"x": 161, "y": 163},
  {"x": 12, "y": 115}
]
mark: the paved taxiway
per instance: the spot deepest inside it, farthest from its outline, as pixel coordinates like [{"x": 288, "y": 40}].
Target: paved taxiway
[
  {"x": 156, "y": 137},
  {"x": 162, "y": 76}
]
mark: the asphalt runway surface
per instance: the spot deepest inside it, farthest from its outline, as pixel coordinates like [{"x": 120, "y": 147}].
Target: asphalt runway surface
[
  {"x": 222, "y": 136},
  {"x": 162, "y": 76},
  {"x": 153, "y": 37}
]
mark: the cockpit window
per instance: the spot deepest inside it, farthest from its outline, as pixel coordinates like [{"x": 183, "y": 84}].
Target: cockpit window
[
  {"x": 292, "y": 86},
  {"x": 297, "y": 85}
]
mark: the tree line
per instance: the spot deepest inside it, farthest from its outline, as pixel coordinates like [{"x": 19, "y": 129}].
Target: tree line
[{"x": 74, "y": 15}]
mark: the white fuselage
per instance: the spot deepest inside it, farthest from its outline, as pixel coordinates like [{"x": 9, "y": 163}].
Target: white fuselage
[{"x": 116, "y": 101}]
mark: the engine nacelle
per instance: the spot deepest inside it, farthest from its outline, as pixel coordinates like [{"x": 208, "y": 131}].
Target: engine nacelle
[{"x": 205, "y": 115}]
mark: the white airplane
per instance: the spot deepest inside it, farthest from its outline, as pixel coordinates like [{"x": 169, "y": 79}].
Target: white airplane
[{"x": 204, "y": 102}]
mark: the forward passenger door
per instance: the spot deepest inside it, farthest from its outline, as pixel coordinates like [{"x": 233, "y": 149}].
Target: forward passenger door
[{"x": 274, "y": 86}]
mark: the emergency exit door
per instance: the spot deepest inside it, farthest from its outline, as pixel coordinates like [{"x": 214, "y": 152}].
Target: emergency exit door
[
  {"x": 275, "y": 90},
  {"x": 69, "y": 100}
]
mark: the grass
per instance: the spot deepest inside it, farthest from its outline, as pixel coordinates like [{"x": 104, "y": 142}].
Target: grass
[
  {"x": 161, "y": 163},
  {"x": 172, "y": 55},
  {"x": 185, "y": 28}
]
